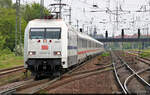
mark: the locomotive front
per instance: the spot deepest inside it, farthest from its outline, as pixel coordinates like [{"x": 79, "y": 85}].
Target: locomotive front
[{"x": 43, "y": 48}]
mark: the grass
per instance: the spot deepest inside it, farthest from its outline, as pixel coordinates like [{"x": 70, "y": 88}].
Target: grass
[
  {"x": 145, "y": 53},
  {"x": 14, "y": 77},
  {"x": 105, "y": 54},
  {"x": 43, "y": 91},
  {"x": 9, "y": 61},
  {"x": 142, "y": 53}
]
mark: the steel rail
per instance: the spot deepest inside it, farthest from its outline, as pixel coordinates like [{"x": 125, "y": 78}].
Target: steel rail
[
  {"x": 11, "y": 71},
  {"x": 88, "y": 71},
  {"x": 77, "y": 77},
  {"x": 10, "y": 91},
  {"x": 144, "y": 60},
  {"x": 124, "y": 87},
  {"x": 1, "y": 70},
  {"x": 38, "y": 87},
  {"x": 42, "y": 86},
  {"x": 117, "y": 76},
  {"x": 128, "y": 78},
  {"x": 80, "y": 65},
  {"x": 145, "y": 82}
]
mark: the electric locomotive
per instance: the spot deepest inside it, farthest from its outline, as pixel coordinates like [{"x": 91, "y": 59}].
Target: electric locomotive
[{"x": 50, "y": 45}]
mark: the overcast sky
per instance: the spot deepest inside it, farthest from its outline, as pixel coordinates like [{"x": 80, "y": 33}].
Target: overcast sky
[{"x": 81, "y": 8}]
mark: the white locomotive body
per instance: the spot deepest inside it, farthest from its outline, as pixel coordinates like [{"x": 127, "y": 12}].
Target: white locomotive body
[{"x": 51, "y": 45}]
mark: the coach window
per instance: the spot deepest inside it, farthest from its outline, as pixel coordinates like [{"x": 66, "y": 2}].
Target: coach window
[
  {"x": 93, "y": 44},
  {"x": 90, "y": 44},
  {"x": 53, "y": 33},
  {"x": 80, "y": 43},
  {"x": 85, "y": 43}
]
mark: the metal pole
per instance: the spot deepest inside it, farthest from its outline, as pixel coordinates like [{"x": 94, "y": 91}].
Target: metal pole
[
  {"x": 83, "y": 27},
  {"x": 16, "y": 24},
  {"x": 70, "y": 15},
  {"x": 42, "y": 8},
  {"x": 87, "y": 30},
  {"x": 60, "y": 9},
  {"x": 19, "y": 25},
  {"x": 77, "y": 25},
  {"x": 117, "y": 16},
  {"x": 147, "y": 30}
]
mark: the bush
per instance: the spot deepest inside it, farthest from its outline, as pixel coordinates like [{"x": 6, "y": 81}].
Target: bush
[
  {"x": 6, "y": 53},
  {"x": 19, "y": 50}
]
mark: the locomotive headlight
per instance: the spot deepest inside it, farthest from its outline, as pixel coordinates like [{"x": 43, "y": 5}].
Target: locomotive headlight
[
  {"x": 57, "y": 52},
  {"x": 31, "y": 53}
]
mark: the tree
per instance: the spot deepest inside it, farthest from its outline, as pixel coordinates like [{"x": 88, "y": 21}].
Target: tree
[
  {"x": 8, "y": 21},
  {"x": 7, "y": 27},
  {"x": 2, "y": 41},
  {"x": 5, "y": 3},
  {"x": 33, "y": 11}
]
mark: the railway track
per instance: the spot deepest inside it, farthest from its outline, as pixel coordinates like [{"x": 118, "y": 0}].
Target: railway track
[
  {"x": 66, "y": 78},
  {"x": 133, "y": 75},
  {"x": 11, "y": 70},
  {"x": 32, "y": 87},
  {"x": 123, "y": 82},
  {"x": 142, "y": 59}
]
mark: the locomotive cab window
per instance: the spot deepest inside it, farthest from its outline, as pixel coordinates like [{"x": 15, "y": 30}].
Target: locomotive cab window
[
  {"x": 53, "y": 33},
  {"x": 37, "y": 34},
  {"x": 45, "y": 33}
]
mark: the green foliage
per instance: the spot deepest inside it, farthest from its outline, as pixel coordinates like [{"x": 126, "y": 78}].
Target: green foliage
[
  {"x": 19, "y": 50},
  {"x": 8, "y": 25},
  {"x": 34, "y": 12},
  {"x": 5, "y": 3},
  {"x": 7, "y": 28},
  {"x": 5, "y": 53},
  {"x": 145, "y": 53},
  {"x": 2, "y": 41},
  {"x": 10, "y": 60},
  {"x": 105, "y": 54}
]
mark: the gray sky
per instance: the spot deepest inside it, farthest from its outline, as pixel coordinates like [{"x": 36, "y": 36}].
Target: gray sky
[{"x": 81, "y": 8}]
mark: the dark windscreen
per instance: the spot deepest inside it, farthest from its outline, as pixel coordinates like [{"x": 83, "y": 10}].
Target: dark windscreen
[
  {"x": 37, "y": 34},
  {"x": 53, "y": 33},
  {"x": 45, "y": 33}
]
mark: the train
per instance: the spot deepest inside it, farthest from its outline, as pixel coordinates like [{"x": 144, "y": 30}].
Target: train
[{"x": 51, "y": 45}]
